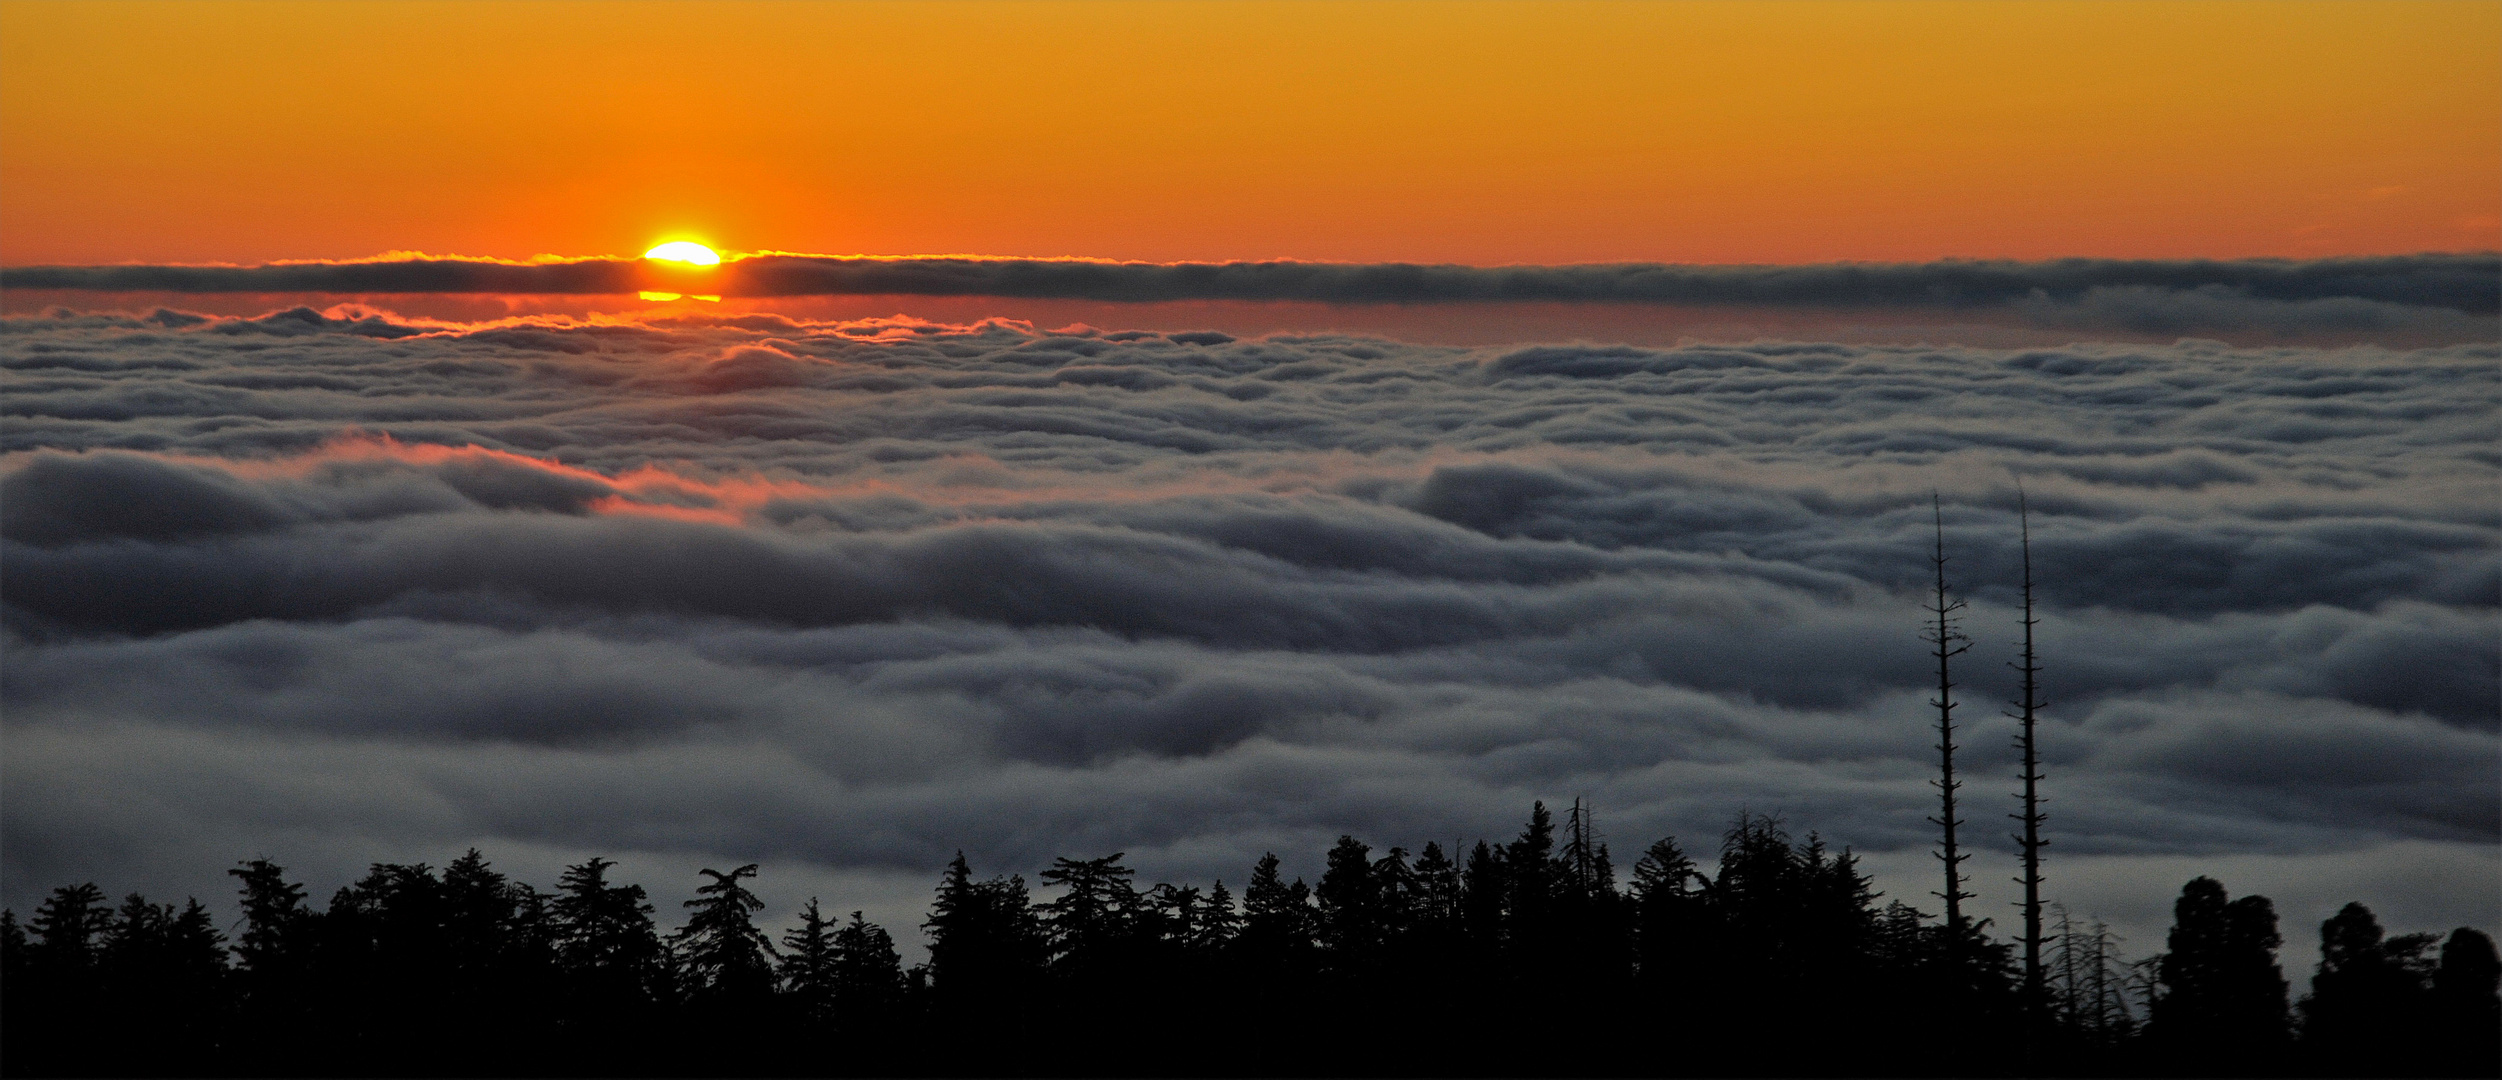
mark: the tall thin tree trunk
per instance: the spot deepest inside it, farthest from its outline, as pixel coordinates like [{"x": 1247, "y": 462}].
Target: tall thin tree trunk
[
  {"x": 2030, "y": 842},
  {"x": 1950, "y": 644}
]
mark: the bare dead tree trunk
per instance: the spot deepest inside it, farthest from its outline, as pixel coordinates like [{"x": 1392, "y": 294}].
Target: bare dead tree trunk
[
  {"x": 2068, "y": 993},
  {"x": 1950, "y": 643},
  {"x": 2030, "y": 842},
  {"x": 1572, "y": 841},
  {"x": 2111, "y": 1014}
]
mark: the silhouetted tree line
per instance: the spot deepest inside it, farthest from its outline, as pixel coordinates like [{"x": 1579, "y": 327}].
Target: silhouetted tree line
[{"x": 1519, "y": 958}]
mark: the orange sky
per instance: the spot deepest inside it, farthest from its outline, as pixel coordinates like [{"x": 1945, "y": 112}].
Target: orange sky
[{"x": 1544, "y": 133}]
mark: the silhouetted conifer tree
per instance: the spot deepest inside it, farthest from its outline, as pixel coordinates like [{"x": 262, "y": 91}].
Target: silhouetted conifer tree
[
  {"x": 1433, "y": 955},
  {"x": 1793, "y": 913},
  {"x": 1276, "y": 918},
  {"x": 162, "y": 973},
  {"x": 59, "y": 1024},
  {"x": 273, "y": 912},
  {"x": 1351, "y": 910},
  {"x": 13, "y": 943},
  {"x": 2219, "y": 1004},
  {"x": 2368, "y": 996},
  {"x": 609, "y": 955},
  {"x": 1396, "y": 899},
  {"x": 868, "y": 976},
  {"x": 987, "y": 944},
  {"x": 1274, "y": 961},
  {"x": 1669, "y": 919},
  {"x": 1438, "y": 895},
  {"x": 808, "y": 967},
  {"x": 1484, "y": 886},
  {"x": 1592, "y": 948},
  {"x": 70, "y": 928},
  {"x": 18, "y": 993},
  {"x": 1532, "y": 883},
  {"x": 725, "y": 957},
  {"x": 1093, "y": 921},
  {"x": 1218, "y": 922},
  {"x": 483, "y": 926},
  {"x": 275, "y": 955},
  {"x": 2466, "y": 1006},
  {"x": 385, "y": 965}
]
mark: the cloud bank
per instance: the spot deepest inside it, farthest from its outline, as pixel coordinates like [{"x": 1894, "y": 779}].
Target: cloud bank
[
  {"x": 844, "y": 597},
  {"x": 2451, "y": 293}
]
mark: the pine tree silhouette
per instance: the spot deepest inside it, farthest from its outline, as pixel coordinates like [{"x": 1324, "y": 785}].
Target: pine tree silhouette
[
  {"x": 2466, "y": 1007},
  {"x": 1675, "y": 955},
  {"x": 609, "y": 957},
  {"x": 1276, "y": 918},
  {"x": 1351, "y": 910},
  {"x": 725, "y": 957},
  {"x": 2369, "y": 996},
  {"x": 988, "y": 947},
  {"x": 1485, "y": 885},
  {"x": 2220, "y": 1004},
  {"x": 807, "y": 969},
  {"x": 70, "y": 927},
  {"x": 1092, "y": 921},
  {"x": 1219, "y": 922},
  {"x": 868, "y": 978}
]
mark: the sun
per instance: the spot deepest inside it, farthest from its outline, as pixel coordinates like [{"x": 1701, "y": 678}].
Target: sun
[{"x": 684, "y": 251}]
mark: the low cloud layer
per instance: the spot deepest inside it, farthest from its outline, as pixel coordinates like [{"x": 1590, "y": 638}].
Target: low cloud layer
[
  {"x": 845, "y": 597},
  {"x": 2453, "y": 295}
]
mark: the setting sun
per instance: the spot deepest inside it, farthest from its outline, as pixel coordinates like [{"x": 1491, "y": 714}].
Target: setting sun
[{"x": 684, "y": 251}]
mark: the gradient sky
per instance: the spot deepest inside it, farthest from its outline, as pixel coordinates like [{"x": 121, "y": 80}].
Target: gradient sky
[
  {"x": 336, "y": 577},
  {"x": 1444, "y": 132}
]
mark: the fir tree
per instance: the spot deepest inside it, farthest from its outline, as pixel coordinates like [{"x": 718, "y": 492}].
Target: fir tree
[
  {"x": 1350, "y": 912},
  {"x": 1219, "y": 922},
  {"x": 986, "y": 940},
  {"x": 808, "y": 966},
  {"x": 2369, "y": 994},
  {"x": 725, "y": 957},
  {"x": 2466, "y": 1006},
  {"x": 868, "y": 973},
  {"x": 1276, "y": 923},
  {"x": 70, "y": 929},
  {"x": 2219, "y": 991},
  {"x": 1092, "y": 919},
  {"x": 604, "y": 942}
]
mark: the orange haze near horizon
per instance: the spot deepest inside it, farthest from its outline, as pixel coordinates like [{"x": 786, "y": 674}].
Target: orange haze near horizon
[{"x": 1458, "y": 132}]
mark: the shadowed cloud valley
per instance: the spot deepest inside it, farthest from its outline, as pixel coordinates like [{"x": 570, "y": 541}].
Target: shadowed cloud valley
[{"x": 358, "y": 586}]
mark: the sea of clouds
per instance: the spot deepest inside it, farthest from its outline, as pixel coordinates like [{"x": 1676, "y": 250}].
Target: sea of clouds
[{"x": 843, "y": 598}]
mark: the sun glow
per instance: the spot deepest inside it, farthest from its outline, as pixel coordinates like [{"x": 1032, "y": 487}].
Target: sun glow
[{"x": 684, "y": 251}]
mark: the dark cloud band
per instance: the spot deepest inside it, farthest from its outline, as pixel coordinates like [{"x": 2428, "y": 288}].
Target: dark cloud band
[{"x": 2469, "y": 283}]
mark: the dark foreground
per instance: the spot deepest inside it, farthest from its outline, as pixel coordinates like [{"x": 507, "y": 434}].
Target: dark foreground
[{"x": 1519, "y": 959}]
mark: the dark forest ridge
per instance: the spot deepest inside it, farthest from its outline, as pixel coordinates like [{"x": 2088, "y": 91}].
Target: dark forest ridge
[{"x": 1524, "y": 958}]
